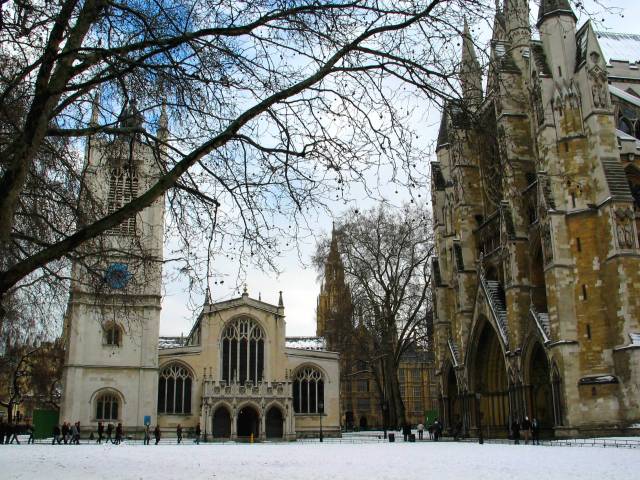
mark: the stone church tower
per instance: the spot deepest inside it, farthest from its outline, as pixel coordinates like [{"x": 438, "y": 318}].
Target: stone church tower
[
  {"x": 537, "y": 275},
  {"x": 113, "y": 317}
]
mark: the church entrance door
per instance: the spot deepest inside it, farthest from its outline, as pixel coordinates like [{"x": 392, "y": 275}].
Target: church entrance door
[
  {"x": 274, "y": 423},
  {"x": 221, "y": 423},
  {"x": 248, "y": 422}
]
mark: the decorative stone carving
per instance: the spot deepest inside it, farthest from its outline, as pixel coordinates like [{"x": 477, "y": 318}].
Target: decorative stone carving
[
  {"x": 536, "y": 97},
  {"x": 599, "y": 88},
  {"x": 547, "y": 243},
  {"x": 625, "y": 226}
]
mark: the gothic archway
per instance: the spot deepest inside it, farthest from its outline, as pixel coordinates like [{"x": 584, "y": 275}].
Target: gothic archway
[
  {"x": 221, "y": 423},
  {"x": 539, "y": 392},
  {"x": 248, "y": 422},
  {"x": 274, "y": 428},
  {"x": 491, "y": 383},
  {"x": 453, "y": 412}
]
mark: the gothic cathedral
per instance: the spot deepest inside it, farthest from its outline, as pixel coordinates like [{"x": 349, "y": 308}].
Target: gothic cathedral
[{"x": 535, "y": 193}]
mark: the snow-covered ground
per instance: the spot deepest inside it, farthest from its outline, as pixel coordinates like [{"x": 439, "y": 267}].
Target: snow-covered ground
[{"x": 311, "y": 461}]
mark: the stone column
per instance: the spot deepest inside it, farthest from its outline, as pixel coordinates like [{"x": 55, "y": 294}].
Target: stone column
[{"x": 234, "y": 424}]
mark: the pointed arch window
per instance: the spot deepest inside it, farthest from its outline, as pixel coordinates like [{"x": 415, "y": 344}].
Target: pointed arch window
[
  {"x": 308, "y": 391},
  {"x": 107, "y": 407},
  {"x": 243, "y": 351},
  {"x": 174, "y": 390}
]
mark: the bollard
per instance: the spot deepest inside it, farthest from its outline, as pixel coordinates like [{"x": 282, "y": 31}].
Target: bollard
[{"x": 251, "y": 438}]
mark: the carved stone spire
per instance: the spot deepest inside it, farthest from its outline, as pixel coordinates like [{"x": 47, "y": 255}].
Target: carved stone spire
[
  {"x": 550, "y": 8},
  {"x": 470, "y": 70},
  {"x": 163, "y": 123}
]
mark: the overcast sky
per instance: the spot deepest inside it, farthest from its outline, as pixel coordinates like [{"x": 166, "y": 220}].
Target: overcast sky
[{"x": 298, "y": 280}]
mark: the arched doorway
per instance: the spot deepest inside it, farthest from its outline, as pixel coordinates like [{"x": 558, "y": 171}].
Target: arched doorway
[
  {"x": 490, "y": 381},
  {"x": 274, "y": 423},
  {"x": 248, "y": 422},
  {"x": 221, "y": 427},
  {"x": 453, "y": 411},
  {"x": 540, "y": 396},
  {"x": 363, "y": 423}
]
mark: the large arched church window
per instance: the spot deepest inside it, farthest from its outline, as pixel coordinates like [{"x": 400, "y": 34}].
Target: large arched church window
[
  {"x": 308, "y": 391},
  {"x": 174, "y": 390},
  {"x": 107, "y": 407},
  {"x": 242, "y": 351}
]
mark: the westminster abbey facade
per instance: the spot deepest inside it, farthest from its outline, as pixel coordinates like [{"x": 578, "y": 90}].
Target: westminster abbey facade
[{"x": 536, "y": 197}]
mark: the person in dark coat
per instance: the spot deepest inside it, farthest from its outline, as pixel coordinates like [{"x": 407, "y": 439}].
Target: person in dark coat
[
  {"x": 437, "y": 429},
  {"x": 100, "y": 431},
  {"x": 15, "y": 429},
  {"x": 535, "y": 431},
  {"x": 31, "y": 429},
  {"x": 56, "y": 434},
  {"x": 179, "y": 433},
  {"x": 515, "y": 431},
  {"x": 526, "y": 429},
  {"x": 65, "y": 432},
  {"x": 3, "y": 432},
  {"x": 147, "y": 434},
  {"x": 156, "y": 433},
  {"x": 406, "y": 431},
  {"x": 198, "y": 432},
  {"x": 119, "y": 433},
  {"x": 109, "y": 433}
]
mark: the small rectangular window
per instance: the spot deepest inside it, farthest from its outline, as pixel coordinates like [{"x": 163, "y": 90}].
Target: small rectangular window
[
  {"x": 589, "y": 331},
  {"x": 578, "y": 244},
  {"x": 559, "y": 70},
  {"x": 584, "y": 292}
]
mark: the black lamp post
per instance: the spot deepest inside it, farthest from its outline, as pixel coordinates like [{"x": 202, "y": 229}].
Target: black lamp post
[
  {"x": 321, "y": 412},
  {"x": 384, "y": 417},
  {"x": 480, "y": 438}
]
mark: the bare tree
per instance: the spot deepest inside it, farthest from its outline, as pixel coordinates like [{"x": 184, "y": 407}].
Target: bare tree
[
  {"x": 386, "y": 261},
  {"x": 274, "y": 110}
]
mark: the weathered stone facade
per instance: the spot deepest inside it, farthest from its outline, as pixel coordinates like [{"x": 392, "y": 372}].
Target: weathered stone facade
[{"x": 535, "y": 197}]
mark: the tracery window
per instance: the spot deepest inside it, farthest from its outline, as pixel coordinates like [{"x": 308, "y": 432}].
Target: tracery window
[
  {"x": 107, "y": 407},
  {"x": 308, "y": 391},
  {"x": 174, "y": 390},
  {"x": 243, "y": 351},
  {"x": 112, "y": 335},
  {"x": 123, "y": 187}
]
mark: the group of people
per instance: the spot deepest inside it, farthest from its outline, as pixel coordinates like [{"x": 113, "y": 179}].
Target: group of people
[
  {"x": 9, "y": 432},
  {"x": 530, "y": 430},
  {"x": 69, "y": 433},
  {"x": 435, "y": 431}
]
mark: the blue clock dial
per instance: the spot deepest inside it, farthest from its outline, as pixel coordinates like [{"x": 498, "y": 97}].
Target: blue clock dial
[{"x": 117, "y": 275}]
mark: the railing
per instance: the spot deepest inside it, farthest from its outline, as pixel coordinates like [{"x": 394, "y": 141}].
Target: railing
[
  {"x": 499, "y": 315},
  {"x": 222, "y": 389},
  {"x": 542, "y": 327},
  {"x": 454, "y": 352}
]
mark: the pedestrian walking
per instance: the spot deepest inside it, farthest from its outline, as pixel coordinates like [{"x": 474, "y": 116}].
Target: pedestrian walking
[
  {"x": 109, "y": 433},
  {"x": 430, "y": 430},
  {"x": 156, "y": 433},
  {"x": 420, "y": 431},
  {"x": 57, "y": 433},
  {"x": 179, "y": 433},
  {"x": 65, "y": 432},
  {"x": 526, "y": 430},
  {"x": 406, "y": 431},
  {"x": 30, "y": 428},
  {"x": 437, "y": 429},
  {"x": 535, "y": 431},
  {"x": 515, "y": 431},
  {"x": 147, "y": 434},
  {"x": 100, "y": 432},
  {"x": 198, "y": 432},
  {"x": 74, "y": 434},
  {"x": 119, "y": 433},
  {"x": 15, "y": 429}
]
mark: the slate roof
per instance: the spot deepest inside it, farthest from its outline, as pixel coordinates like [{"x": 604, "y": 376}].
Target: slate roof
[{"x": 620, "y": 46}]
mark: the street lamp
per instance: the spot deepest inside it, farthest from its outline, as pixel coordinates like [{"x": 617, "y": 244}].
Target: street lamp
[
  {"x": 384, "y": 417},
  {"x": 480, "y": 438},
  {"x": 320, "y": 411}
]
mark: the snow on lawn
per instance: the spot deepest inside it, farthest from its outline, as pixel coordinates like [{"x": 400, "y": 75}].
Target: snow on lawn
[{"x": 311, "y": 461}]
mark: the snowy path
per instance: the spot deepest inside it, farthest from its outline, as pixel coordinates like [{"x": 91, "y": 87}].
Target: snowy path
[{"x": 294, "y": 461}]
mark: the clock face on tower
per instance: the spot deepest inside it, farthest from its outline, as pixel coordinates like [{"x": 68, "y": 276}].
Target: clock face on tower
[{"x": 117, "y": 275}]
